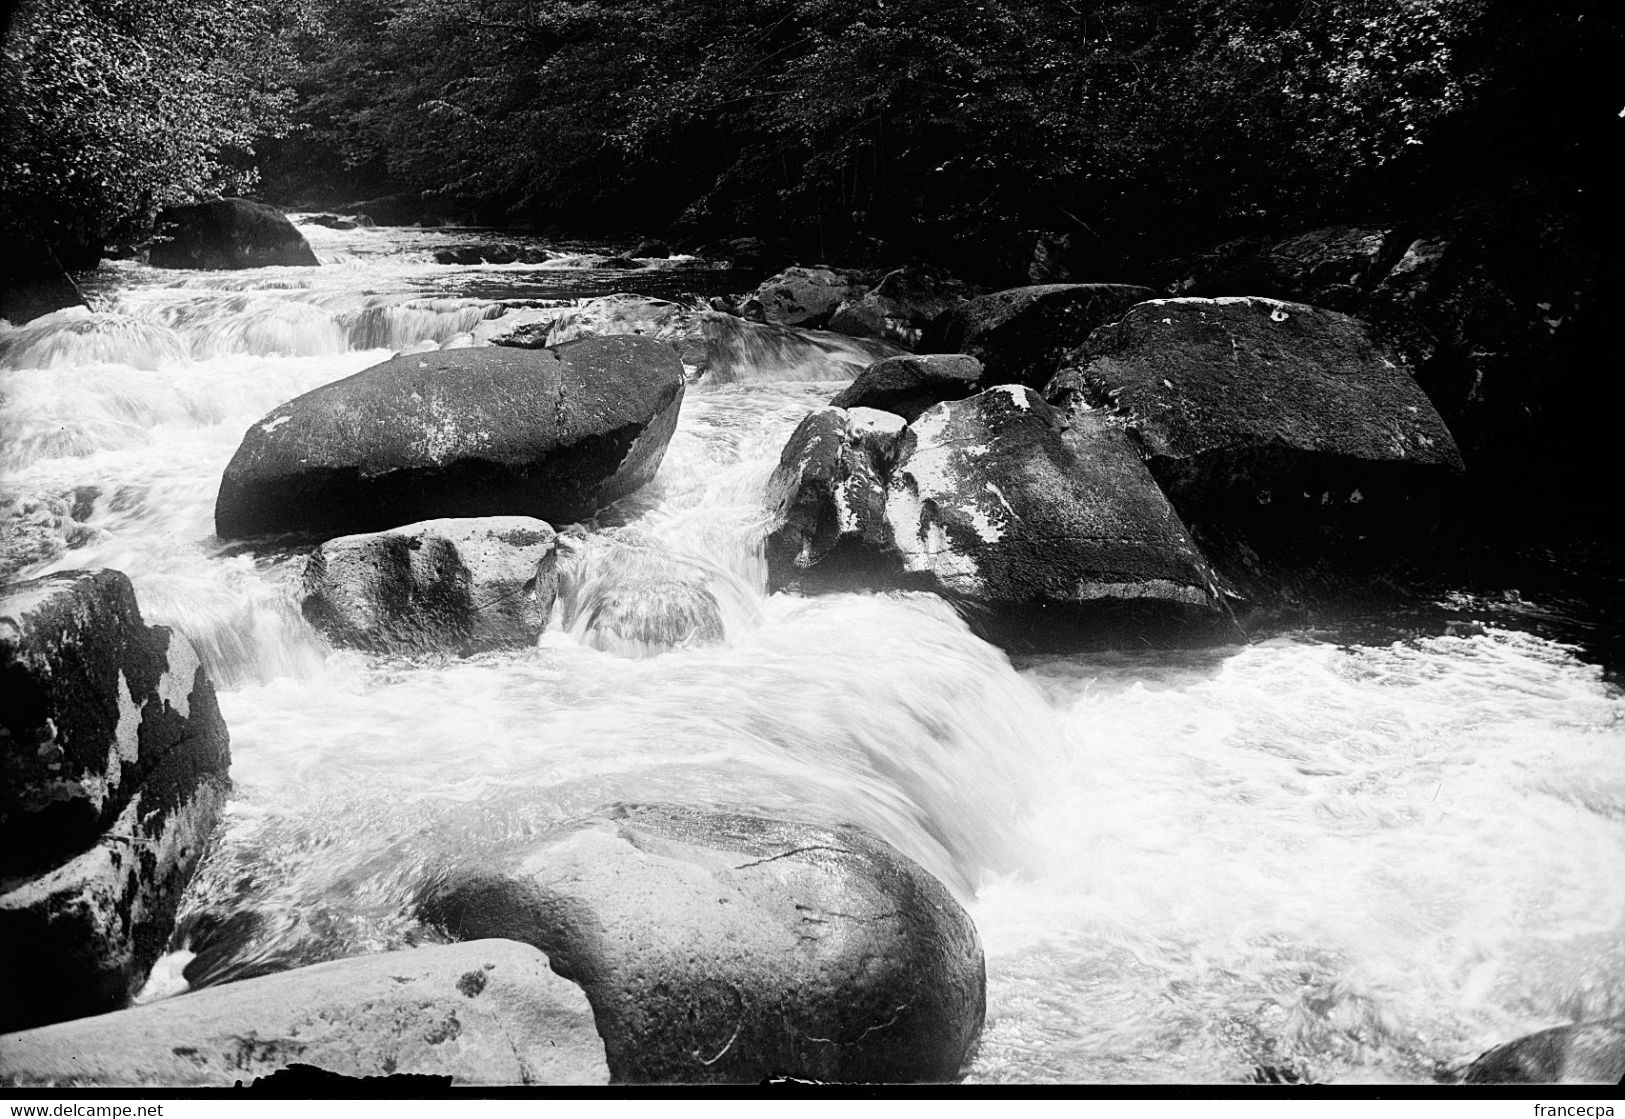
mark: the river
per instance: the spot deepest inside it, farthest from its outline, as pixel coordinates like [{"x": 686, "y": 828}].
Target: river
[{"x": 1356, "y": 857}]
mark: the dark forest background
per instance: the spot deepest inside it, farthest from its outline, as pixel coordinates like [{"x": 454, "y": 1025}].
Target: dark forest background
[{"x": 863, "y": 131}]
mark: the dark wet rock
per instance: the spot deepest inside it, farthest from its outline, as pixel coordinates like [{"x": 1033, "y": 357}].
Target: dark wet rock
[
  {"x": 908, "y": 385},
  {"x": 36, "y": 528},
  {"x": 33, "y": 281},
  {"x": 828, "y": 503},
  {"x": 620, "y": 263},
  {"x": 724, "y": 948},
  {"x": 651, "y": 249},
  {"x": 483, "y": 1013},
  {"x": 1021, "y": 335},
  {"x": 625, "y": 592},
  {"x": 1587, "y": 1053},
  {"x": 493, "y": 431},
  {"x": 1038, "y": 526},
  {"x": 1329, "y": 267},
  {"x": 457, "y": 585},
  {"x": 804, "y": 297},
  {"x": 227, "y": 233},
  {"x": 114, "y": 759},
  {"x": 338, "y": 221},
  {"x": 504, "y": 252},
  {"x": 902, "y": 308},
  {"x": 1280, "y": 428}
]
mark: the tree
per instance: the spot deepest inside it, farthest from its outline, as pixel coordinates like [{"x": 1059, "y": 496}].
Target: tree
[{"x": 115, "y": 108}]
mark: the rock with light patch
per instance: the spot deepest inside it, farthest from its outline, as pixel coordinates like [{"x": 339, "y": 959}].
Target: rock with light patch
[
  {"x": 1021, "y": 335},
  {"x": 1044, "y": 531},
  {"x": 457, "y": 585},
  {"x": 1284, "y": 425},
  {"x": 555, "y": 434},
  {"x": 114, "y": 759},
  {"x": 797, "y": 296},
  {"x": 828, "y": 503},
  {"x": 487, "y": 1012},
  {"x": 909, "y": 384},
  {"x": 680, "y": 327},
  {"x": 725, "y": 948}
]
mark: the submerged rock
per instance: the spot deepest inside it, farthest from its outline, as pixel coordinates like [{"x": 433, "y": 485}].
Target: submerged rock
[
  {"x": 1030, "y": 524},
  {"x": 828, "y": 502},
  {"x": 114, "y": 759},
  {"x": 484, "y": 1012},
  {"x": 1282, "y": 424},
  {"x": 804, "y": 297},
  {"x": 678, "y": 326},
  {"x": 1587, "y": 1053},
  {"x": 554, "y": 434},
  {"x": 460, "y": 585},
  {"x": 38, "y": 527},
  {"x": 1021, "y": 335},
  {"x": 625, "y": 592},
  {"x": 228, "y": 233},
  {"x": 724, "y": 948},
  {"x": 908, "y": 385}
]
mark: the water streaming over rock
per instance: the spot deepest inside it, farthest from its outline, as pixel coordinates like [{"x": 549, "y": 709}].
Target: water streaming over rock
[{"x": 1338, "y": 859}]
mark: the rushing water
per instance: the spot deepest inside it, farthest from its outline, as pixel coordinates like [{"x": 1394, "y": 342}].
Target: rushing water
[{"x": 1338, "y": 860}]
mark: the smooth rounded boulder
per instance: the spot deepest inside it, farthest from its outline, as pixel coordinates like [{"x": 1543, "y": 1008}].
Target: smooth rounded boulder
[
  {"x": 1021, "y": 335},
  {"x": 114, "y": 761},
  {"x": 718, "y": 947},
  {"x": 1278, "y": 421},
  {"x": 486, "y": 1012},
  {"x": 554, "y": 434},
  {"x": 227, "y": 233},
  {"x": 909, "y": 384},
  {"x": 456, "y": 585}
]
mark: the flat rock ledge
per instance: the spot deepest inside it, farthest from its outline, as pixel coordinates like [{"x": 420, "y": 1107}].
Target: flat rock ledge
[
  {"x": 726, "y": 948},
  {"x": 483, "y": 1012}
]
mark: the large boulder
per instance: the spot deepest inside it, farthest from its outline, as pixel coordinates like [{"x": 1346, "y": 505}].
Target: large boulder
[
  {"x": 625, "y": 592},
  {"x": 454, "y": 585},
  {"x": 827, "y": 500},
  {"x": 1329, "y": 267},
  {"x": 554, "y": 434},
  {"x": 651, "y": 248},
  {"x": 487, "y": 1012},
  {"x": 805, "y": 297},
  {"x": 1276, "y": 421},
  {"x": 909, "y": 384},
  {"x": 902, "y": 308},
  {"x": 1021, "y": 335},
  {"x": 1587, "y": 1053},
  {"x": 724, "y": 948},
  {"x": 1039, "y": 530},
  {"x": 114, "y": 759},
  {"x": 227, "y": 233}
]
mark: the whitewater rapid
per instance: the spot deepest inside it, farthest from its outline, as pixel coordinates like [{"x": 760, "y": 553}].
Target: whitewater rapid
[{"x": 1344, "y": 860}]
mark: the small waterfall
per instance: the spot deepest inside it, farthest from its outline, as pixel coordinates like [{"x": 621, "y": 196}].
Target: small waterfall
[
  {"x": 77, "y": 336},
  {"x": 397, "y": 325},
  {"x": 624, "y": 592},
  {"x": 743, "y": 351}
]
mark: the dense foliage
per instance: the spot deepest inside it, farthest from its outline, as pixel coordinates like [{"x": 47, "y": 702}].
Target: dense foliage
[
  {"x": 919, "y": 122},
  {"x": 927, "y": 128},
  {"x": 113, "y": 108}
]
